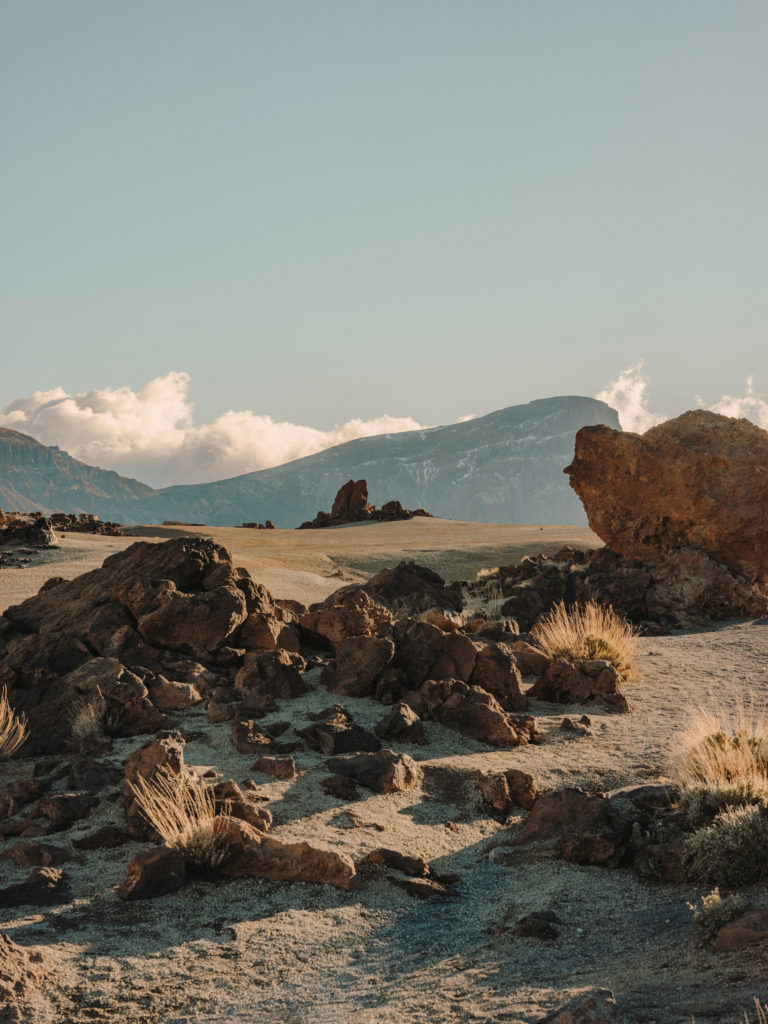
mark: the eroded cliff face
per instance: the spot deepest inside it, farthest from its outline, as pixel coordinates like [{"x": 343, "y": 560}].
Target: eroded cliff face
[{"x": 699, "y": 481}]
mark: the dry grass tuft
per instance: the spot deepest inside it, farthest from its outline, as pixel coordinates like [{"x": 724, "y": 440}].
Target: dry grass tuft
[
  {"x": 587, "y": 632},
  {"x": 725, "y": 751},
  {"x": 89, "y": 724},
  {"x": 183, "y": 811},
  {"x": 761, "y": 1011},
  {"x": 13, "y": 728},
  {"x": 485, "y": 600}
]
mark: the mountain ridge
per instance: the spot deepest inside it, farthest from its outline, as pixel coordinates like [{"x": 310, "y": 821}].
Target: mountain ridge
[{"x": 505, "y": 466}]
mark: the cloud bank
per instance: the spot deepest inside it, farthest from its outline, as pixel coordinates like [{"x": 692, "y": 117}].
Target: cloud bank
[
  {"x": 628, "y": 395},
  {"x": 151, "y": 434}
]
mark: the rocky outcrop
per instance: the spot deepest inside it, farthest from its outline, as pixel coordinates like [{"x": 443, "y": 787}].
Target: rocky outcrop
[
  {"x": 687, "y": 589},
  {"x": 109, "y": 633},
  {"x": 383, "y": 772},
  {"x": 351, "y": 506},
  {"x": 699, "y": 481}
]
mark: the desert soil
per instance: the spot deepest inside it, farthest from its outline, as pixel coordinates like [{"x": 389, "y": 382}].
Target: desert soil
[{"x": 237, "y": 951}]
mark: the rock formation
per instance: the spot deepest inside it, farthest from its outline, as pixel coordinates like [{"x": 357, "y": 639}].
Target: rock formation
[
  {"x": 699, "y": 481},
  {"x": 351, "y": 506}
]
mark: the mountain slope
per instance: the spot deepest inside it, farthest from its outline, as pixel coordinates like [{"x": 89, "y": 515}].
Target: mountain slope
[
  {"x": 504, "y": 467},
  {"x": 35, "y": 477}
]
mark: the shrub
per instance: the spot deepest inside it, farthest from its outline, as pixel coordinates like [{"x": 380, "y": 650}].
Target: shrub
[
  {"x": 183, "y": 811},
  {"x": 726, "y": 749},
  {"x": 732, "y": 849},
  {"x": 587, "y": 632},
  {"x": 713, "y": 912},
  {"x": 13, "y": 728}
]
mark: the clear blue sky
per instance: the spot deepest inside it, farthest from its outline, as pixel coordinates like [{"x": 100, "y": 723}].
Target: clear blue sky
[{"x": 341, "y": 208}]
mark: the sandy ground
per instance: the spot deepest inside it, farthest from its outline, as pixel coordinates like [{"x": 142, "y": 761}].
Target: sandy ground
[
  {"x": 308, "y": 565},
  {"x": 255, "y": 952}
]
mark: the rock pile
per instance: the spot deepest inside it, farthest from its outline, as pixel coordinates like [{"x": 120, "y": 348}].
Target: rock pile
[
  {"x": 32, "y": 529},
  {"x": 84, "y": 522},
  {"x": 351, "y": 506}
]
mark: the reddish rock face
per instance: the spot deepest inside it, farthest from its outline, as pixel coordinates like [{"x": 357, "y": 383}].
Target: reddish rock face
[
  {"x": 21, "y": 972},
  {"x": 699, "y": 481}
]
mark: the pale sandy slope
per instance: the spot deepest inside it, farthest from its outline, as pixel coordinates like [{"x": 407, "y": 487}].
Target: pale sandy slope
[{"x": 307, "y": 565}]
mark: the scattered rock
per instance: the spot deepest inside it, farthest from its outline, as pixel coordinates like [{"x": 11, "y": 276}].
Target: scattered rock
[
  {"x": 153, "y": 873},
  {"x": 334, "y": 732},
  {"x": 277, "y": 767},
  {"x": 252, "y": 854},
  {"x": 45, "y": 887},
  {"x": 36, "y": 854},
  {"x": 341, "y": 788},
  {"x": 403, "y": 724},
  {"x": 359, "y": 662},
  {"x": 105, "y": 838},
  {"x": 171, "y": 696},
  {"x": 594, "y": 682},
  {"x": 747, "y": 929},
  {"x": 63, "y": 809},
  {"x": 272, "y": 674},
  {"x": 598, "y": 1007},
  {"x": 588, "y": 828},
  {"x": 473, "y": 712},
  {"x": 383, "y": 772},
  {"x": 351, "y": 506},
  {"x": 501, "y": 790},
  {"x": 248, "y": 738},
  {"x": 416, "y": 867}
]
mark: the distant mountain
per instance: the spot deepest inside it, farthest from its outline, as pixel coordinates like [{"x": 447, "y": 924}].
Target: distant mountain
[
  {"x": 34, "y": 477},
  {"x": 506, "y": 467}
]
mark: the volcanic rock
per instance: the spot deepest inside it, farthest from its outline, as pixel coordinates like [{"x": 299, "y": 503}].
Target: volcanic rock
[
  {"x": 153, "y": 873},
  {"x": 580, "y": 683},
  {"x": 589, "y": 829},
  {"x": 45, "y": 887},
  {"x": 472, "y": 712},
  {"x": 272, "y": 674},
  {"x": 501, "y": 790},
  {"x": 699, "y": 481},
  {"x": 251, "y": 854},
  {"x": 383, "y": 772},
  {"x": 334, "y": 732},
  {"x": 351, "y": 506},
  {"x": 359, "y": 662},
  {"x": 403, "y": 724}
]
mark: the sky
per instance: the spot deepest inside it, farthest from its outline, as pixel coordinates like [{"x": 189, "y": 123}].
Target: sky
[{"x": 236, "y": 232}]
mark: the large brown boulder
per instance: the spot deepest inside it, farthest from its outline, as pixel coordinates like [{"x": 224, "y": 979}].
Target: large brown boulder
[
  {"x": 698, "y": 481},
  {"x": 473, "y": 712}
]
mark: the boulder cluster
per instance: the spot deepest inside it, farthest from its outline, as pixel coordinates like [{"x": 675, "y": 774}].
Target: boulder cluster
[
  {"x": 351, "y": 506},
  {"x": 31, "y": 529},
  {"x": 125, "y": 649}
]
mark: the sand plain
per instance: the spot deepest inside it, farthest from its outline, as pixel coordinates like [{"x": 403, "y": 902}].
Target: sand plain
[{"x": 255, "y": 952}]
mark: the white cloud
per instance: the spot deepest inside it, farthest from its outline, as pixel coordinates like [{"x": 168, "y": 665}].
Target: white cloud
[
  {"x": 151, "y": 434},
  {"x": 748, "y": 406},
  {"x": 628, "y": 395}
]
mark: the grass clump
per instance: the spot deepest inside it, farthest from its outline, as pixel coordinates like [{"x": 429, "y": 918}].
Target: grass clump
[
  {"x": 13, "y": 728},
  {"x": 182, "y": 810},
  {"x": 713, "y": 912},
  {"x": 726, "y": 749},
  {"x": 587, "y": 632},
  {"x": 89, "y": 725},
  {"x": 732, "y": 850},
  {"x": 485, "y": 599}
]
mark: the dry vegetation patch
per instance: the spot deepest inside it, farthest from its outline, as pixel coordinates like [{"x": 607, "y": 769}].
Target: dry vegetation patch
[
  {"x": 587, "y": 632},
  {"x": 182, "y": 810}
]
